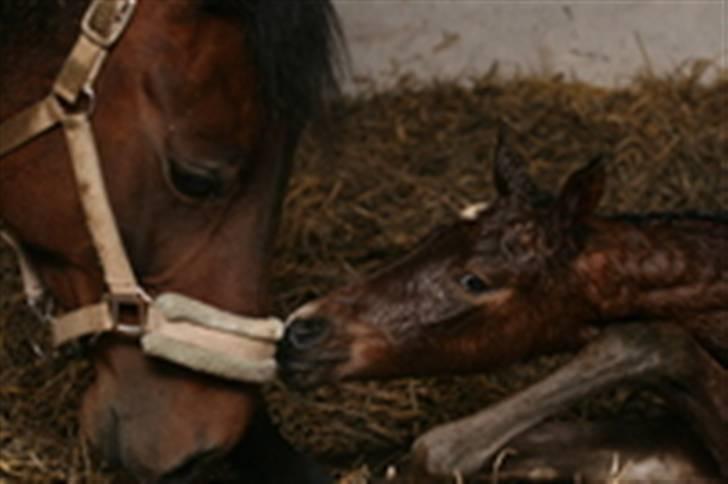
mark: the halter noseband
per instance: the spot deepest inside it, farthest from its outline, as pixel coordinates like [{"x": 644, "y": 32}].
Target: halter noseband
[{"x": 172, "y": 327}]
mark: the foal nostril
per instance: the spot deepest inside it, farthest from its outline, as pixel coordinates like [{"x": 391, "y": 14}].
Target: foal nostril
[{"x": 305, "y": 333}]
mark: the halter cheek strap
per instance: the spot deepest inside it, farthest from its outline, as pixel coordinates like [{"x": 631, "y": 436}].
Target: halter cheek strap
[
  {"x": 243, "y": 349},
  {"x": 32, "y": 286}
]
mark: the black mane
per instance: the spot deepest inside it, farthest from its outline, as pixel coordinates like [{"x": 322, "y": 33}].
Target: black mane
[{"x": 296, "y": 44}]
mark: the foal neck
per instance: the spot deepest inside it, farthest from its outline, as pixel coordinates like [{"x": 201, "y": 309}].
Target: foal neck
[{"x": 656, "y": 267}]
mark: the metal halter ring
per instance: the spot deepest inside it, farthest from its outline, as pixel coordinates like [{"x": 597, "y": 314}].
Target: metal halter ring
[{"x": 132, "y": 306}]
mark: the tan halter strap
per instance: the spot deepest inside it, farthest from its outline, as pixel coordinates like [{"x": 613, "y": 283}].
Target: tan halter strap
[
  {"x": 102, "y": 26},
  {"x": 32, "y": 286}
]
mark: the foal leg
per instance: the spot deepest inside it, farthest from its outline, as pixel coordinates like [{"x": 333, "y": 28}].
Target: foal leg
[
  {"x": 661, "y": 355},
  {"x": 624, "y": 450}
]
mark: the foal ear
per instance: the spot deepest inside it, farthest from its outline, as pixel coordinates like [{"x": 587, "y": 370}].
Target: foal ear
[
  {"x": 510, "y": 172},
  {"x": 582, "y": 192}
]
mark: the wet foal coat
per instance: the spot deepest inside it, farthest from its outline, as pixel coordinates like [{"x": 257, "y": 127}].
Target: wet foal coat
[{"x": 532, "y": 274}]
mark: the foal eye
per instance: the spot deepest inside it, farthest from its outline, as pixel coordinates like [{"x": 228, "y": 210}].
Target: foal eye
[
  {"x": 194, "y": 183},
  {"x": 473, "y": 284}
]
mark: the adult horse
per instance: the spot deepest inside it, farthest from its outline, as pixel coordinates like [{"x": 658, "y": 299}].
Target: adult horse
[{"x": 195, "y": 114}]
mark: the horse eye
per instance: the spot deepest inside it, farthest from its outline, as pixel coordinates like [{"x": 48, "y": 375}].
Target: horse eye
[
  {"x": 473, "y": 284},
  {"x": 193, "y": 183}
]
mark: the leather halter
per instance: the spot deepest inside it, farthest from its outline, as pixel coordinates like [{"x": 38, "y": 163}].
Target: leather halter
[{"x": 173, "y": 327}]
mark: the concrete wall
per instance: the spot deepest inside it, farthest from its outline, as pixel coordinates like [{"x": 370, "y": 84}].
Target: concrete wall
[{"x": 599, "y": 41}]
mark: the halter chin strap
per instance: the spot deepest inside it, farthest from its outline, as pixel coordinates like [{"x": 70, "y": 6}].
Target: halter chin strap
[{"x": 184, "y": 331}]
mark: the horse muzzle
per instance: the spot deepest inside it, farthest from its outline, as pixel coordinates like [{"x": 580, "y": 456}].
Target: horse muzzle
[{"x": 158, "y": 421}]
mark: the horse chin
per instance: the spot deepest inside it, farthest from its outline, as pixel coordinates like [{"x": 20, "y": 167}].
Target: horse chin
[
  {"x": 304, "y": 372},
  {"x": 157, "y": 421}
]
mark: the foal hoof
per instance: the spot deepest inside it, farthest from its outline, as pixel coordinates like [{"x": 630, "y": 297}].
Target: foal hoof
[{"x": 437, "y": 453}]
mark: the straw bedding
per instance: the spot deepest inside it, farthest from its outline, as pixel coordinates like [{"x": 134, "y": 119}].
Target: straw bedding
[{"x": 372, "y": 177}]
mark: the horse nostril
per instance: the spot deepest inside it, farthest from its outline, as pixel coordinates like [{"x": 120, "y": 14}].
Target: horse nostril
[{"x": 305, "y": 333}]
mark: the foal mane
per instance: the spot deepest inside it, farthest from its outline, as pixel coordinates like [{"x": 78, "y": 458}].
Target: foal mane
[
  {"x": 717, "y": 217},
  {"x": 718, "y": 220},
  {"x": 297, "y": 45}
]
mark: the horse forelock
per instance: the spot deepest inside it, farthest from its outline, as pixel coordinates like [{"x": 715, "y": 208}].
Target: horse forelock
[
  {"x": 297, "y": 46},
  {"x": 35, "y": 24},
  {"x": 33, "y": 14}
]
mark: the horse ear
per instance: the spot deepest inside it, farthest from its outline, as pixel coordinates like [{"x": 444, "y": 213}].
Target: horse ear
[
  {"x": 510, "y": 172},
  {"x": 582, "y": 192}
]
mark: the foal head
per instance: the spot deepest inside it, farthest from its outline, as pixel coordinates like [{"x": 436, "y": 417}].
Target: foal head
[
  {"x": 197, "y": 112},
  {"x": 491, "y": 288}
]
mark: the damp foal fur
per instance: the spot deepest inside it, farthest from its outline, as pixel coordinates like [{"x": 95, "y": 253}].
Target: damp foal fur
[{"x": 530, "y": 274}]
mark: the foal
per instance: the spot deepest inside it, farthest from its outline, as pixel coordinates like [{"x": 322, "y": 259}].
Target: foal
[{"x": 530, "y": 275}]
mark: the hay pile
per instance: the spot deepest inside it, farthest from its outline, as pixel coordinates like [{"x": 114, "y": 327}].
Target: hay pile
[{"x": 372, "y": 178}]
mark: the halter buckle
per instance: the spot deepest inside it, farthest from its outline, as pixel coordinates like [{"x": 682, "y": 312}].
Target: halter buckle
[
  {"x": 105, "y": 20},
  {"x": 129, "y": 307}
]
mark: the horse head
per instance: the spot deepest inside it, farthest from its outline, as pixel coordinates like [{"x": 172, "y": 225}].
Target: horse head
[{"x": 196, "y": 114}]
